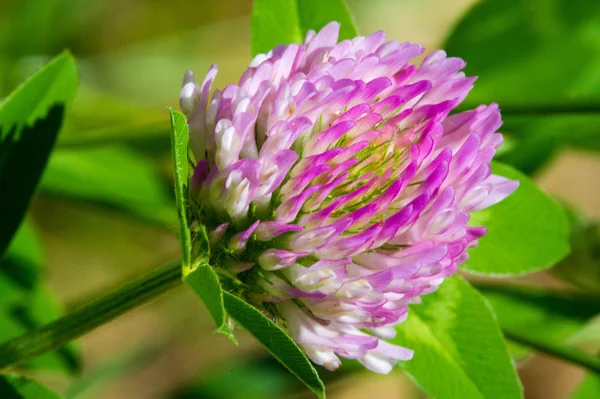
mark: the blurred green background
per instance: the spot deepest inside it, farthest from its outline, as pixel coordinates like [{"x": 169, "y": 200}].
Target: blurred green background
[{"x": 105, "y": 212}]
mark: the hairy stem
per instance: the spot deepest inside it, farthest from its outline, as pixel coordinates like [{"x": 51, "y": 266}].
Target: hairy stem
[
  {"x": 104, "y": 309},
  {"x": 557, "y": 350},
  {"x": 86, "y": 318}
]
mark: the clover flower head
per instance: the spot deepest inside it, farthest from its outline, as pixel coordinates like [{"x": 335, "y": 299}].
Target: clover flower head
[{"x": 336, "y": 188}]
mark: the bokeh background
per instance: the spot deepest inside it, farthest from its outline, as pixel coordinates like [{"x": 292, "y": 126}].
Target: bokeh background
[{"x": 131, "y": 56}]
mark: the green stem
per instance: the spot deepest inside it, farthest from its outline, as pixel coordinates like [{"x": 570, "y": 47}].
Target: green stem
[
  {"x": 100, "y": 311},
  {"x": 541, "y": 110},
  {"x": 558, "y": 351}
]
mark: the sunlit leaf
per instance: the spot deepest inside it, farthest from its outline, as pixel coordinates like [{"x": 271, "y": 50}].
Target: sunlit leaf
[
  {"x": 315, "y": 14},
  {"x": 276, "y": 341},
  {"x": 30, "y": 119},
  {"x": 527, "y": 232},
  {"x": 276, "y": 22},
  {"x": 55, "y": 83},
  {"x": 459, "y": 349}
]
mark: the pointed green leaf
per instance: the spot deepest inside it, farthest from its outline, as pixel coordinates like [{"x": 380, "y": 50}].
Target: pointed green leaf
[
  {"x": 114, "y": 176},
  {"x": 527, "y": 232},
  {"x": 276, "y": 22},
  {"x": 55, "y": 83},
  {"x": 205, "y": 283},
  {"x": 276, "y": 341},
  {"x": 16, "y": 387},
  {"x": 459, "y": 349},
  {"x": 197, "y": 273},
  {"x": 30, "y": 119},
  {"x": 179, "y": 148},
  {"x": 315, "y": 14}
]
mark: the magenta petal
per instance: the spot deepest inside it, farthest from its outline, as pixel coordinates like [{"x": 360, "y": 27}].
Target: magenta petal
[
  {"x": 327, "y": 37},
  {"x": 200, "y": 174},
  {"x": 501, "y": 188},
  {"x": 363, "y": 182},
  {"x": 266, "y": 231},
  {"x": 238, "y": 242},
  {"x": 312, "y": 240},
  {"x": 394, "y": 351},
  {"x": 217, "y": 234},
  {"x": 350, "y": 245},
  {"x": 275, "y": 259}
]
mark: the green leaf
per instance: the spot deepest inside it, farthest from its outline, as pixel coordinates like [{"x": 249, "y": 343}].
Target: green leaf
[
  {"x": 16, "y": 387},
  {"x": 459, "y": 349},
  {"x": 25, "y": 302},
  {"x": 197, "y": 273},
  {"x": 276, "y": 341},
  {"x": 30, "y": 119},
  {"x": 205, "y": 283},
  {"x": 518, "y": 48},
  {"x": 276, "y": 22},
  {"x": 315, "y": 14},
  {"x": 179, "y": 148},
  {"x": 114, "y": 176},
  {"x": 55, "y": 83},
  {"x": 527, "y": 231},
  {"x": 590, "y": 388}
]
